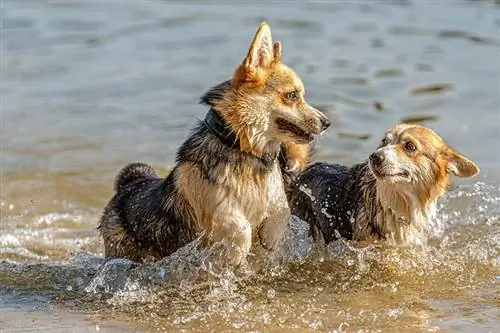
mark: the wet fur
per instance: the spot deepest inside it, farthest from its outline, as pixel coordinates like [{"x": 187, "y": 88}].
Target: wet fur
[
  {"x": 233, "y": 196},
  {"x": 351, "y": 202}
]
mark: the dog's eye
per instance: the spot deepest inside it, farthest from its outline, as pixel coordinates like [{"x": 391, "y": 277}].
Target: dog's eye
[
  {"x": 293, "y": 95},
  {"x": 410, "y": 147},
  {"x": 384, "y": 142}
]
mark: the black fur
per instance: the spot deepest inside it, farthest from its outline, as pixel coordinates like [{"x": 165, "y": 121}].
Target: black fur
[
  {"x": 131, "y": 173},
  {"x": 144, "y": 209},
  {"x": 331, "y": 197},
  {"x": 216, "y": 93}
]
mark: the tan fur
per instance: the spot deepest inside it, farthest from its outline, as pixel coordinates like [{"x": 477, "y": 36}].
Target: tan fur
[
  {"x": 408, "y": 203},
  {"x": 297, "y": 155},
  {"x": 257, "y": 96}
]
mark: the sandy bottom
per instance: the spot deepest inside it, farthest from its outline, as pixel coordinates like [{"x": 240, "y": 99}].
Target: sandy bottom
[{"x": 55, "y": 321}]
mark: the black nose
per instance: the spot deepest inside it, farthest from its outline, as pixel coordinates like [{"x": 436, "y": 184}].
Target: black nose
[
  {"x": 376, "y": 158},
  {"x": 325, "y": 122}
]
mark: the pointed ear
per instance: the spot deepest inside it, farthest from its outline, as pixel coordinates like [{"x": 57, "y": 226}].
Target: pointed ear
[
  {"x": 277, "y": 52},
  {"x": 461, "y": 166},
  {"x": 261, "y": 54}
]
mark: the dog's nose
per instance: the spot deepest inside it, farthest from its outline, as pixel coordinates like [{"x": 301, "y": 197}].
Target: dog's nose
[
  {"x": 376, "y": 158},
  {"x": 325, "y": 122}
]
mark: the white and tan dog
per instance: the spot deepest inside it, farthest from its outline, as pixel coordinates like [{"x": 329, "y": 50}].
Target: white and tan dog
[{"x": 391, "y": 196}]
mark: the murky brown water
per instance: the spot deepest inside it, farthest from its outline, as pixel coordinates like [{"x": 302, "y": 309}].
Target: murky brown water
[{"x": 88, "y": 86}]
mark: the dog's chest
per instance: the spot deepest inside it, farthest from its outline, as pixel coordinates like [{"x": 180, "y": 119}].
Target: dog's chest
[{"x": 264, "y": 196}]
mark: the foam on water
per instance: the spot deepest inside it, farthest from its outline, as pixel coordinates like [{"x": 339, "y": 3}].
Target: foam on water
[
  {"x": 196, "y": 286},
  {"x": 47, "y": 237},
  {"x": 52, "y": 218}
]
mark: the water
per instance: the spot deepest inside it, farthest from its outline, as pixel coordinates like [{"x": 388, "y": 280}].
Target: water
[{"x": 88, "y": 86}]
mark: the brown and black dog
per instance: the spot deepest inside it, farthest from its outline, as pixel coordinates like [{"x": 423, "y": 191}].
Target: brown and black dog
[{"x": 227, "y": 180}]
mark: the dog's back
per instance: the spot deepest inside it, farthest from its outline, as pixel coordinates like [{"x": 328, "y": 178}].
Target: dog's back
[
  {"x": 142, "y": 204},
  {"x": 328, "y": 196}
]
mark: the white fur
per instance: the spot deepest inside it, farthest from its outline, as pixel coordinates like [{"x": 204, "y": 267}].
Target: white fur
[
  {"x": 390, "y": 155},
  {"x": 409, "y": 228},
  {"x": 260, "y": 205}
]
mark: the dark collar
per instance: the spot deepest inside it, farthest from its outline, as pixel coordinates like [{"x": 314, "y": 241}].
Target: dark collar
[
  {"x": 214, "y": 122},
  {"x": 220, "y": 129}
]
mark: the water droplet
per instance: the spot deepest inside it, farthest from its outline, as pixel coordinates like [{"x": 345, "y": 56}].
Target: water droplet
[
  {"x": 162, "y": 272},
  {"x": 79, "y": 281},
  {"x": 267, "y": 318},
  {"x": 337, "y": 233},
  {"x": 247, "y": 305},
  {"x": 238, "y": 325}
]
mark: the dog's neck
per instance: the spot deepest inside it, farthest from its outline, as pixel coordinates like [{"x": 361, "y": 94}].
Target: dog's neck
[
  {"x": 404, "y": 214},
  {"x": 216, "y": 124}
]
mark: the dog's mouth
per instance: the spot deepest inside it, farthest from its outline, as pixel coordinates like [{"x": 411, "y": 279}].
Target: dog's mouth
[
  {"x": 385, "y": 175},
  {"x": 287, "y": 126}
]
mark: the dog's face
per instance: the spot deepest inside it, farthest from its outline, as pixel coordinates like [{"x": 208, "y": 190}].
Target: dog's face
[
  {"x": 273, "y": 94},
  {"x": 415, "y": 155}
]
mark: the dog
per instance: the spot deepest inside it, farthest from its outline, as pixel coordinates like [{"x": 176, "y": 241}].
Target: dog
[
  {"x": 391, "y": 196},
  {"x": 226, "y": 184}
]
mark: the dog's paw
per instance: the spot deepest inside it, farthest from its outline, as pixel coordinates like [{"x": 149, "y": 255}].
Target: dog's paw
[{"x": 267, "y": 240}]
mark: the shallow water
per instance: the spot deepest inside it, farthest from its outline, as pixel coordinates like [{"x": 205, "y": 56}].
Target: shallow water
[{"x": 88, "y": 86}]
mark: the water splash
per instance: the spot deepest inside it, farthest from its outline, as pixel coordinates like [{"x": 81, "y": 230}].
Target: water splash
[
  {"x": 474, "y": 204},
  {"x": 294, "y": 286}
]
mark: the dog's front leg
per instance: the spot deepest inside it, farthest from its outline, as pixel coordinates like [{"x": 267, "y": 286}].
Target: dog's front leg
[
  {"x": 234, "y": 232},
  {"x": 273, "y": 228}
]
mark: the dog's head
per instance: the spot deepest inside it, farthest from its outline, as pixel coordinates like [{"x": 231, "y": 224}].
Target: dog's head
[
  {"x": 416, "y": 157},
  {"x": 265, "y": 102}
]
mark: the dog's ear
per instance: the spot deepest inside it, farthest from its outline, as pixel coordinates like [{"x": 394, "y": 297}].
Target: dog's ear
[
  {"x": 277, "y": 51},
  {"x": 261, "y": 52},
  {"x": 460, "y": 165}
]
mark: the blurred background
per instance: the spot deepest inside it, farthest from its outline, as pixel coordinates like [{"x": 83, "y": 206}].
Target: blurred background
[{"x": 88, "y": 86}]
